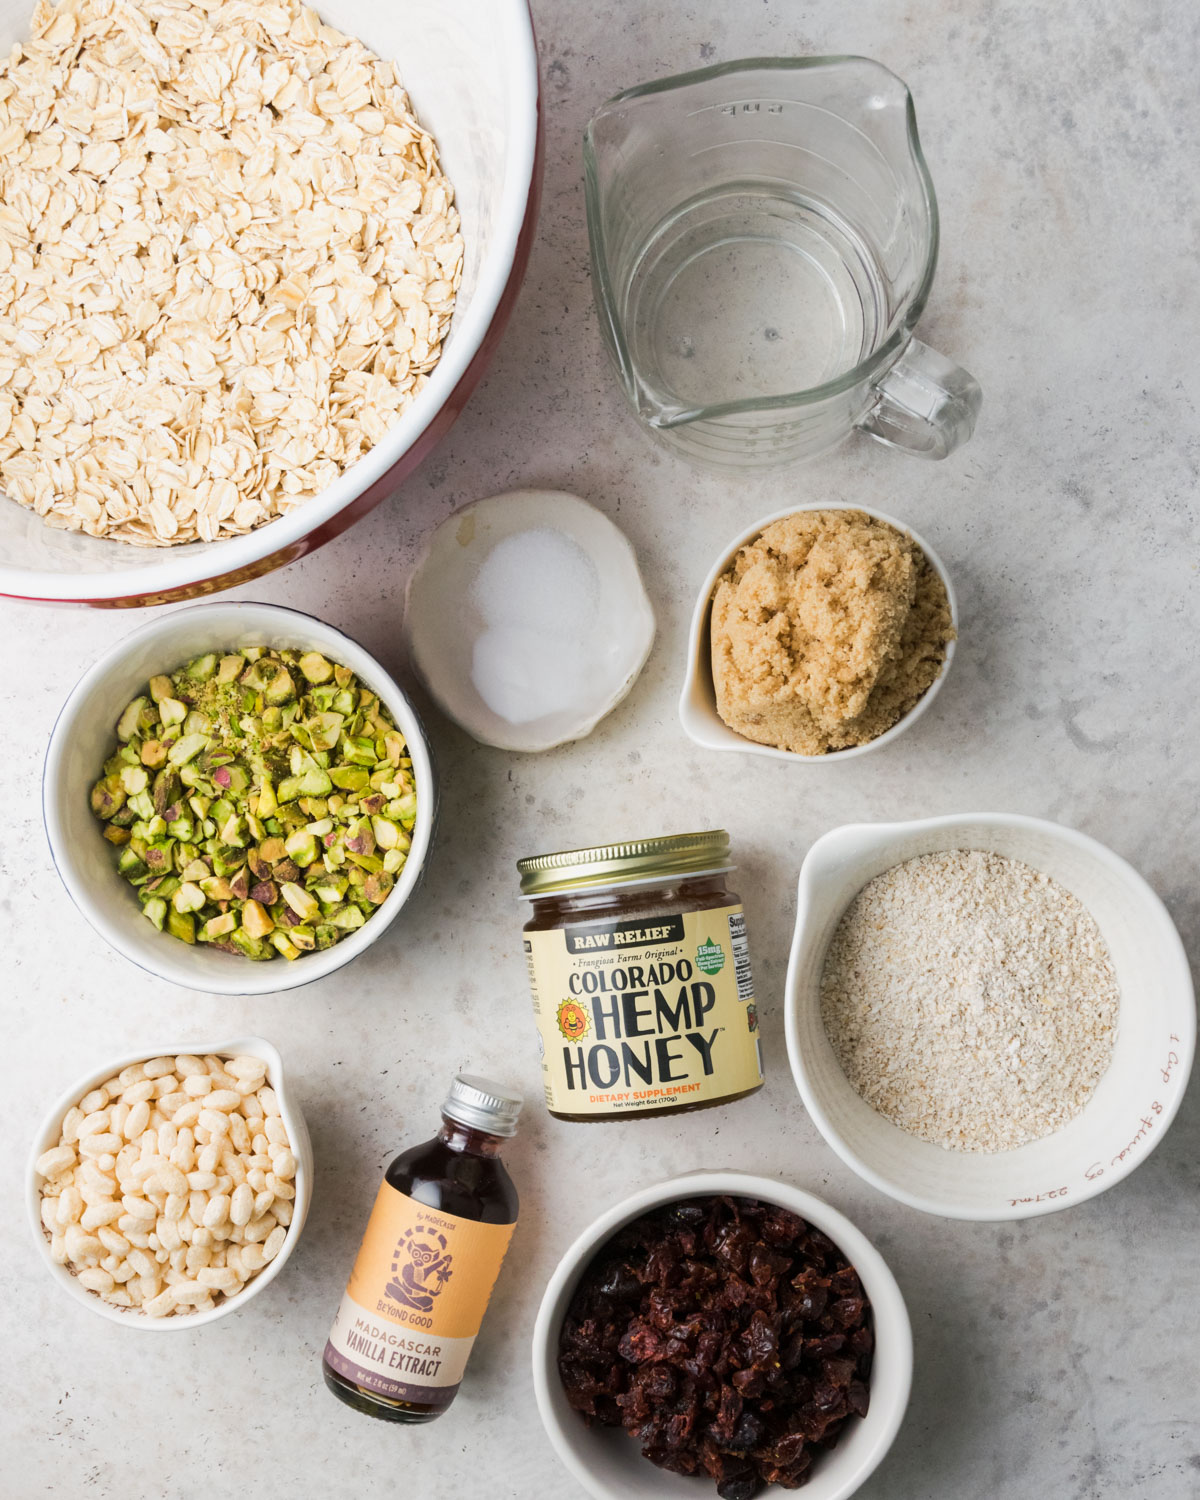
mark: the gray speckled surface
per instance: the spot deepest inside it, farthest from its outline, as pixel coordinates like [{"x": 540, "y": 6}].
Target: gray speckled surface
[{"x": 1058, "y": 1357}]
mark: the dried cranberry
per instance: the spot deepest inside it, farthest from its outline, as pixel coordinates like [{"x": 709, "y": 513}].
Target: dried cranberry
[{"x": 728, "y": 1336}]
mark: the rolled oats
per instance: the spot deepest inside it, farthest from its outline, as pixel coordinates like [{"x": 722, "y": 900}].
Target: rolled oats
[{"x": 228, "y": 260}]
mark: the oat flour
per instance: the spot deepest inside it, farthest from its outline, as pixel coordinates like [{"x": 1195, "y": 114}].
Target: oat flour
[{"x": 970, "y": 1000}]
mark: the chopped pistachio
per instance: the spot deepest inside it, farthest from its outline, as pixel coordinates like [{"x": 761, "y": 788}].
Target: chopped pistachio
[
  {"x": 233, "y": 831},
  {"x": 360, "y": 751},
  {"x": 265, "y": 805},
  {"x": 130, "y": 863},
  {"x": 350, "y": 778},
  {"x": 256, "y": 920},
  {"x": 305, "y": 905},
  {"x": 181, "y": 925},
  {"x": 259, "y": 800},
  {"x": 251, "y": 946},
  {"x": 217, "y": 927},
  {"x": 315, "y": 668},
  {"x": 376, "y": 886},
  {"x": 189, "y": 897},
  {"x": 348, "y": 918},
  {"x": 128, "y": 722},
  {"x": 202, "y": 668},
  {"x": 284, "y": 946},
  {"x": 365, "y": 861},
  {"x": 387, "y": 835},
  {"x": 281, "y": 688},
  {"x": 302, "y": 847},
  {"x": 108, "y": 797},
  {"x": 186, "y": 748}
]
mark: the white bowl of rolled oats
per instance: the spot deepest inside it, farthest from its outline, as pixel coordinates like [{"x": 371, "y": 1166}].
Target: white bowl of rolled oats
[
  {"x": 167, "y": 1188},
  {"x": 988, "y": 1016},
  {"x": 267, "y": 255}
]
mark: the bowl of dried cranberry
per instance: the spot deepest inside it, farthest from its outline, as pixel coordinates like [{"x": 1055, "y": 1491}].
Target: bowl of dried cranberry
[{"x": 742, "y": 1333}]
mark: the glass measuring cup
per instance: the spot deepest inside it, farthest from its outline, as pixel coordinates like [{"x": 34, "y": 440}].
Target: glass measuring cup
[{"x": 763, "y": 238}]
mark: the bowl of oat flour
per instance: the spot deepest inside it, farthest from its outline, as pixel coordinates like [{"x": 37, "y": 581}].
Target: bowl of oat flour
[{"x": 988, "y": 1016}]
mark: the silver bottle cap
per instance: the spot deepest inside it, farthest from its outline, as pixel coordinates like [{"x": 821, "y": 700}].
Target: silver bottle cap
[{"x": 483, "y": 1104}]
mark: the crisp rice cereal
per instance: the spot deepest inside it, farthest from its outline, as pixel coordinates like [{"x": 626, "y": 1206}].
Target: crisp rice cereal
[
  {"x": 180, "y": 1211},
  {"x": 228, "y": 259}
]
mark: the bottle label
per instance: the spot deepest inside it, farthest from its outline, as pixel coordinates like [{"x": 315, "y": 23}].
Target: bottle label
[
  {"x": 642, "y": 1013},
  {"x": 415, "y": 1299}
]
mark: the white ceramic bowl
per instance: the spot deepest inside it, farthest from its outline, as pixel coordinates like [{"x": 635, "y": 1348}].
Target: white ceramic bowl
[
  {"x": 471, "y": 71},
  {"x": 698, "y": 700},
  {"x": 51, "y": 1128},
  {"x": 607, "y": 1462},
  {"x": 84, "y": 738},
  {"x": 1135, "y": 1101},
  {"x": 442, "y": 623}
]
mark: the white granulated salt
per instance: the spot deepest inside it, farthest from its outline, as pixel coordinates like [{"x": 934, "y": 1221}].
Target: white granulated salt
[
  {"x": 537, "y": 594},
  {"x": 971, "y": 1000}
]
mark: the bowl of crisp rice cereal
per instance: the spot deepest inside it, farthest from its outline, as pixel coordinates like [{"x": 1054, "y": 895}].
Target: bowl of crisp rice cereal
[{"x": 247, "y": 305}]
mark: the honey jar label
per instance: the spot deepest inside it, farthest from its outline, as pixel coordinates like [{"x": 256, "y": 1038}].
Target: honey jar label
[
  {"x": 645, "y": 1013},
  {"x": 415, "y": 1299}
]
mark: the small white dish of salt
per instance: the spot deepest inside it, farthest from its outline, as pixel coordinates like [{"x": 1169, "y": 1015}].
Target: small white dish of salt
[{"x": 526, "y": 618}]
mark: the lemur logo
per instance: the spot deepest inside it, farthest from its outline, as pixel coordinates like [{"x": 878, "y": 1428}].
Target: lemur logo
[{"x": 420, "y": 1269}]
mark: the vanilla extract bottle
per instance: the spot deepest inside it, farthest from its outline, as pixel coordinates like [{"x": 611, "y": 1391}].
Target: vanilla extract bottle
[{"x": 433, "y": 1247}]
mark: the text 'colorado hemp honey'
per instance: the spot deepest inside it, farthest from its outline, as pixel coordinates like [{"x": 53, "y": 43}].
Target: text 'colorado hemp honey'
[{"x": 640, "y": 973}]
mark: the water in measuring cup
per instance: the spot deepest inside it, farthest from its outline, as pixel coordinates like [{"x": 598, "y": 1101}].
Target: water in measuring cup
[{"x": 748, "y": 293}]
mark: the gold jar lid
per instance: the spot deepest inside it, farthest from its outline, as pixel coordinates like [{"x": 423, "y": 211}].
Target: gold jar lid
[{"x": 614, "y": 864}]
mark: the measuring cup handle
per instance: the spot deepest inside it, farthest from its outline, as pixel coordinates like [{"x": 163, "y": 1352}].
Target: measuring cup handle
[{"x": 925, "y": 404}]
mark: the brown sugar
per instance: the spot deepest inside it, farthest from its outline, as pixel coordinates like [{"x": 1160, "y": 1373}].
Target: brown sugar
[{"x": 826, "y": 629}]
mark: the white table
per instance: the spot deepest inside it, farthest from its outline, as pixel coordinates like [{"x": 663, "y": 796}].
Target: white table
[{"x": 1056, "y": 1357}]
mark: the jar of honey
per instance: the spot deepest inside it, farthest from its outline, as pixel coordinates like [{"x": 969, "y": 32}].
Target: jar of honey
[{"x": 640, "y": 972}]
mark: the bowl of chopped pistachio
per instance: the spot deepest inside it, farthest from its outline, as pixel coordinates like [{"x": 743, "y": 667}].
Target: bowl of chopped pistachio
[{"x": 239, "y": 798}]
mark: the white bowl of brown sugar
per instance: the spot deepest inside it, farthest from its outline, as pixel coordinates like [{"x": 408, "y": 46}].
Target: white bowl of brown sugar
[
  {"x": 988, "y": 1016},
  {"x": 821, "y": 633}
]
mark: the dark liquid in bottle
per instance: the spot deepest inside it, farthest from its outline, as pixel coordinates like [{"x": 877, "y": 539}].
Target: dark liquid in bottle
[{"x": 459, "y": 1172}]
